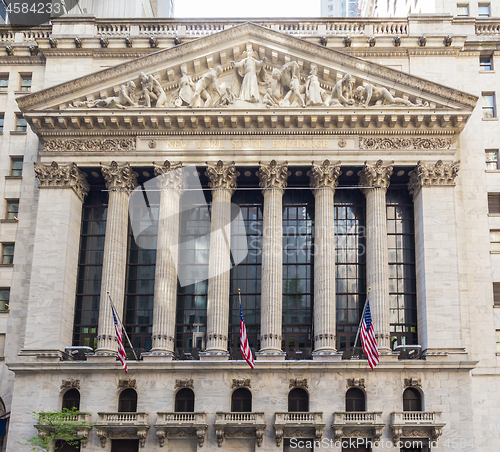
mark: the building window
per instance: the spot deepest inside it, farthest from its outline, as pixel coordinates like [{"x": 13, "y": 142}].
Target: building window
[
  {"x": 26, "y": 82},
  {"x": 483, "y": 10},
  {"x": 491, "y": 159},
  {"x": 412, "y": 400},
  {"x": 355, "y": 400},
  {"x": 495, "y": 240},
  {"x": 1, "y": 122},
  {"x": 493, "y": 203},
  {"x": 498, "y": 340},
  {"x": 7, "y": 253},
  {"x": 298, "y": 400},
  {"x": 184, "y": 401},
  {"x": 16, "y": 166},
  {"x": 486, "y": 63},
  {"x": 496, "y": 294},
  {"x": 71, "y": 399},
  {"x": 4, "y": 299},
  {"x": 4, "y": 82},
  {"x": 2, "y": 345},
  {"x": 463, "y": 10},
  {"x": 127, "y": 402},
  {"x": 241, "y": 401},
  {"x": 489, "y": 105},
  {"x": 12, "y": 209},
  {"x": 21, "y": 123}
]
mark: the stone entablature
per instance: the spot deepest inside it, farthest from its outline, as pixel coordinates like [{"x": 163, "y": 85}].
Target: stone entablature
[
  {"x": 62, "y": 176},
  {"x": 122, "y": 426},
  {"x": 298, "y": 425},
  {"x": 416, "y": 424},
  {"x": 239, "y": 425},
  {"x": 366, "y": 424},
  {"x": 180, "y": 425}
]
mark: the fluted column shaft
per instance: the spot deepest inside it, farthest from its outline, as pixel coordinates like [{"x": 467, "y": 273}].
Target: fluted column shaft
[
  {"x": 376, "y": 180},
  {"x": 171, "y": 181},
  {"x": 273, "y": 181},
  {"x": 223, "y": 182},
  {"x": 120, "y": 180}
]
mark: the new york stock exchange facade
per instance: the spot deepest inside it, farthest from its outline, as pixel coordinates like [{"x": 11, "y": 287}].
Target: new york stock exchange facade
[{"x": 348, "y": 180}]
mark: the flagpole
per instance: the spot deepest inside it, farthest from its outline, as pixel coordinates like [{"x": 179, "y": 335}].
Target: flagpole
[
  {"x": 362, "y": 316},
  {"x": 123, "y": 328}
]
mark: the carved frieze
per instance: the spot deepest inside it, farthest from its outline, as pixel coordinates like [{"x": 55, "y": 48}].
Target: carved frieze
[
  {"x": 404, "y": 143},
  {"x": 127, "y": 383},
  {"x": 325, "y": 174},
  {"x": 241, "y": 383},
  {"x": 298, "y": 383},
  {"x": 355, "y": 383},
  {"x": 64, "y": 176},
  {"x": 273, "y": 175},
  {"x": 413, "y": 382},
  {"x": 375, "y": 175},
  {"x": 70, "y": 384},
  {"x": 221, "y": 176},
  {"x": 90, "y": 145},
  {"x": 184, "y": 383},
  {"x": 440, "y": 174},
  {"x": 119, "y": 177},
  {"x": 170, "y": 176}
]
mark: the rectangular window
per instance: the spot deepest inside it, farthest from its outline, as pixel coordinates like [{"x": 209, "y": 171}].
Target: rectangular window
[
  {"x": 4, "y": 82},
  {"x": 1, "y": 122},
  {"x": 498, "y": 340},
  {"x": 495, "y": 240},
  {"x": 21, "y": 123},
  {"x": 2, "y": 345},
  {"x": 491, "y": 159},
  {"x": 496, "y": 294},
  {"x": 483, "y": 10},
  {"x": 463, "y": 10},
  {"x": 26, "y": 82},
  {"x": 12, "y": 209},
  {"x": 7, "y": 253},
  {"x": 16, "y": 166},
  {"x": 486, "y": 63},
  {"x": 494, "y": 203},
  {"x": 4, "y": 299},
  {"x": 489, "y": 106}
]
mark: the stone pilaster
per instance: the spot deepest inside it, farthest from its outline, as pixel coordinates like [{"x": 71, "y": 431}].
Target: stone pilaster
[
  {"x": 222, "y": 181},
  {"x": 120, "y": 181},
  {"x": 171, "y": 180},
  {"x": 324, "y": 179},
  {"x": 374, "y": 180},
  {"x": 55, "y": 260},
  {"x": 436, "y": 254},
  {"x": 273, "y": 180}
]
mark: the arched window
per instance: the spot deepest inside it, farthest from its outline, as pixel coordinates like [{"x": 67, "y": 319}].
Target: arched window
[
  {"x": 241, "y": 401},
  {"x": 412, "y": 400},
  {"x": 355, "y": 400},
  {"x": 184, "y": 401},
  {"x": 298, "y": 400},
  {"x": 127, "y": 403},
  {"x": 71, "y": 399}
]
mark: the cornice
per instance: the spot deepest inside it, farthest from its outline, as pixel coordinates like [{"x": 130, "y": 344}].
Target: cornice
[{"x": 11, "y": 61}]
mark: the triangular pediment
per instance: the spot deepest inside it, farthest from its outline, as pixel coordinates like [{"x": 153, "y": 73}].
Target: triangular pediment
[{"x": 266, "y": 79}]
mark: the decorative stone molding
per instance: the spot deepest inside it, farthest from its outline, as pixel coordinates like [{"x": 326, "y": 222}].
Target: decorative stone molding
[
  {"x": 170, "y": 175},
  {"x": 104, "y": 42},
  {"x": 422, "y": 41},
  {"x": 153, "y": 42},
  {"x": 242, "y": 383},
  {"x": 404, "y": 143},
  {"x": 358, "y": 425},
  {"x": 34, "y": 50},
  {"x": 119, "y": 177},
  {"x": 127, "y": 383},
  {"x": 122, "y": 426},
  {"x": 413, "y": 382},
  {"x": 221, "y": 176},
  {"x": 129, "y": 42},
  {"x": 431, "y": 175},
  {"x": 298, "y": 383},
  {"x": 70, "y": 384},
  {"x": 67, "y": 176},
  {"x": 416, "y": 424},
  {"x": 95, "y": 145},
  {"x": 375, "y": 175},
  {"x": 355, "y": 383},
  {"x": 325, "y": 175},
  {"x": 181, "y": 425},
  {"x": 448, "y": 40},
  {"x": 397, "y": 41},
  {"x": 239, "y": 425},
  {"x": 184, "y": 383},
  {"x": 9, "y": 49},
  {"x": 273, "y": 175},
  {"x": 78, "y": 43},
  {"x": 53, "y": 42}
]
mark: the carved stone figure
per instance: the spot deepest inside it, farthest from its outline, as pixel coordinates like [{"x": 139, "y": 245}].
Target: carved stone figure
[
  {"x": 268, "y": 99},
  {"x": 288, "y": 79},
  {"x": 125, "y": 98},
  {"x": 205, "y": 84},
  {"x": 370, "y": 93},
  {"x": 342, "y": 91},
  {"x": 248, "y": 69},
  {"x": 315, "y": 95},
  {"x": 186, "y": 89},
  {"x": 152, "y": 89},
  {"x": 227, "y": 98}
]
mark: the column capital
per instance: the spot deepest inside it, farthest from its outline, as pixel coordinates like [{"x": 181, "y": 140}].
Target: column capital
[
  {"x": 63, "y": 176},
  {"x": 170, "y": 176},
  {"x": 375, "y": 175},
  {"x": 430, "y": 175},
  {"x": 273, "y": 175},
  {"x": 221, "y": 176},
  {"x": 119, "y": 177},
  {"x": 325, "y": 174}
]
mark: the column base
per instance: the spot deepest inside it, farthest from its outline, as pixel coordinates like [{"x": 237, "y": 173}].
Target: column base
[
  {"x": 214, "y": 356},
  {"x": 327, "y": 355},
  {"x": 158, "y": 356},
  {"x": 265, "y": 355}
]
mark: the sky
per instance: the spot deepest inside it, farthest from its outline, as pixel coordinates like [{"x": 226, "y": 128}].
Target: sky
[{"x": 246, "y": 8}]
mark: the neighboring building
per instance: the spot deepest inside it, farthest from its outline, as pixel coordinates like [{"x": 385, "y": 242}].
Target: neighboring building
[
  {"x": 125, "y": 9},
  {"x": 339, "y": 8},
  {"x": 372, "y": 162}
]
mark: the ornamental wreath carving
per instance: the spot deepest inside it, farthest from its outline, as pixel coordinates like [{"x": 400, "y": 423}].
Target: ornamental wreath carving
[
  {"x": 70, "y": 384},
  {"x": 429, "y": 175},
  {"x": 404, "y": 143},
  {"x": 64, "y": 176},
  {"x": 96, "y": 145}
]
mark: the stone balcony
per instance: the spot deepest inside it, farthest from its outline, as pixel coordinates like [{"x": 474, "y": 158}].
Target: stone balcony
[
  {"x": 366, "y": 424},
  {"x": 122, "y": 426},
  {"x": 239, "y": 425},
  {"x": 416, "y": 424},
  {"x": 177, "y": 425},
  {"x": 298, "y": 424},
  {"x": 79, "y": 422}
]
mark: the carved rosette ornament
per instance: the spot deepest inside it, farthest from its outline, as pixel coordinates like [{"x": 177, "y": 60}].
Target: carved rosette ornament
[
  {"x": 375, "y": 175},
  {"x": 170, "y": 176},
  {"x": 440, "y": 174},
  {"x": 221, "y": 176},
  {"x": 273, "y": 175},
  {"x": 119, "y": 177},
  {"x": 63, "y": 176},
  {"x": 70, "y": 384},
  {"x": 325, "y": 175}
]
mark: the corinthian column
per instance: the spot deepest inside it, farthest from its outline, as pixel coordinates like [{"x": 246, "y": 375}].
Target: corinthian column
[
  {"x": 324, "y": 179},
  {"x": 172, "y": 182},
  {"x": 374, "y": 180},
  {"x": 222, "y": 181},
  {"x": 120, "y": 181},
  {"x": 273, "y": 179}
]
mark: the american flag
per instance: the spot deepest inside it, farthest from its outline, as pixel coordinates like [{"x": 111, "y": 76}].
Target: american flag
[
  {"x": 119, "y": 336},
  {"x": 244, "y": 347},
  {"x": 368, "y": 338}
]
